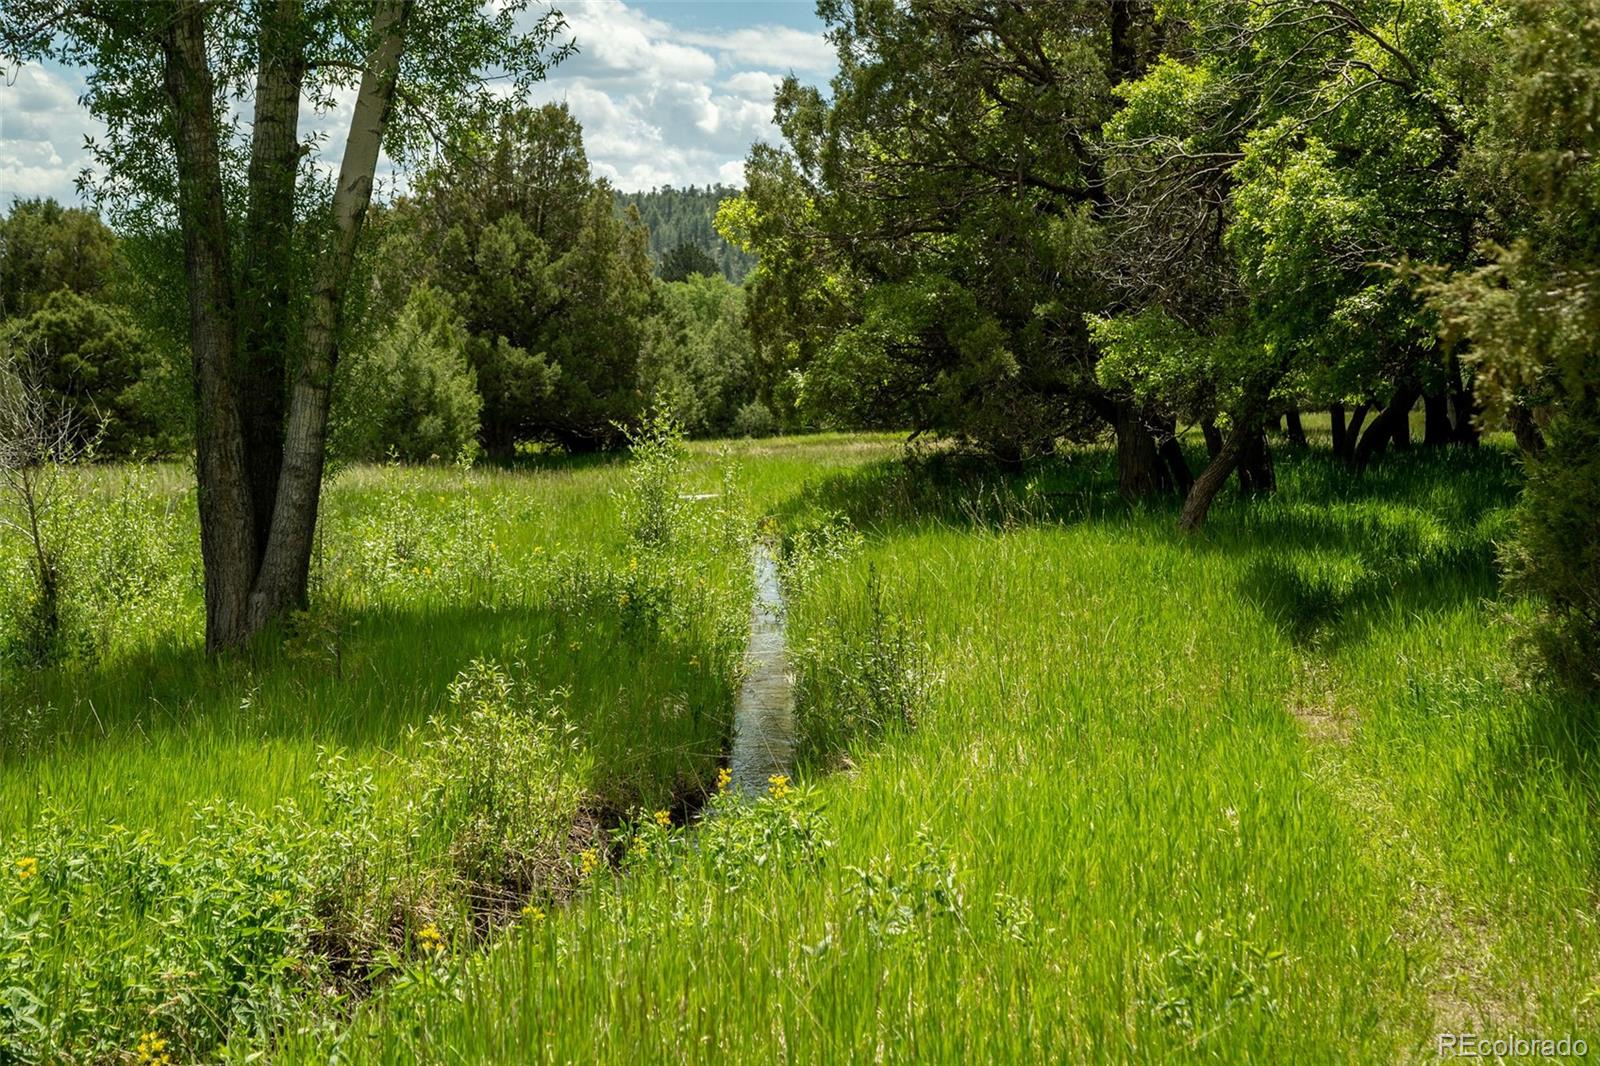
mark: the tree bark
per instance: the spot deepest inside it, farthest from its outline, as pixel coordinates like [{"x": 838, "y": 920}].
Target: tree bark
[
  {"x": 1336, "y": 422},
  {"x": 1529, "y": 438},
  {"x": 1296, "y": 431},
  {"x": 227, "y": 527},
  {"x": 1213, "y": 436},
  {"x": 266, "y": 281},
  {"x": 1436, "y": 428},
  {"x": 1463, "y": 402},
  {"x": 286, "y": 565},
  {"x": 1204, "y": 493},
  {"x": 1178, "y": 472},
  {"x": 1387, "y": 425},
  {"x": 1256, "y": 474},
  {"x": 1352, "y": 431},
  {"x": 1139, "y": 469}
]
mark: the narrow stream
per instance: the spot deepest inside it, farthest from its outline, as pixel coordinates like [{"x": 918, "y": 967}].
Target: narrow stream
[{"x": 763, "y": 720}]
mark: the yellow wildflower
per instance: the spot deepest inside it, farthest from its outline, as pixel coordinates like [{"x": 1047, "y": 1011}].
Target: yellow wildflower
[
  {"x": 575, "y": 645},
  {"x": 588, "y": 861},
  {"x": 152, "y": 1050},
  {"x": 622, "y": 600},
  {"x": 663, "y": 819},
  {"x": 27, "y": 867},
  {"x": 724, "y": 779},
  {"x": 429, "y": 939},
  {"x": 778, "y": 785},
  {"x": 633, "y": 564},
  {"x": 532, "y": 913}
]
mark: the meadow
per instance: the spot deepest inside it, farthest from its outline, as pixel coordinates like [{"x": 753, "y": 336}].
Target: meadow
[{"x": 1071, "y": 786}]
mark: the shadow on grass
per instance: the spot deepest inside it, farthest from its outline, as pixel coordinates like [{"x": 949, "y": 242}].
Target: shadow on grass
[
  {"x": 361, "y": 679},
  {"x": 1414, "y": 532}
]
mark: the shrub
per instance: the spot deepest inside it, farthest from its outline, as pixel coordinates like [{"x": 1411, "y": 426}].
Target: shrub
[
  {"x": 411, "y": 392},
  {"x": 754, "y": 419}
]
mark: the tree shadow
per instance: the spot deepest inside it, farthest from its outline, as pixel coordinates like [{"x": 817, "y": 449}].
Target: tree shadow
[
  {"x": 1414, "y": 532},
  {"x": 648, "y": 704}
]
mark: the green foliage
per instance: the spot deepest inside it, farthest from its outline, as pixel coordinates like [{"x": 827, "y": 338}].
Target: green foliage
[
  {"x": 679, "y": 218},
  {"x": 67, "y": 311},
  {"x": 698, "y": 357},
  {"x": 263, "y": 914},
  {"x": 410, "y": 392},
  {"x": 45, "y": 248},
  {"x": 553, "y": 286},
  {"x": 95, "y": 363},
  {"x": 926, "y": 234},
  {"x": 754, "y": 419},
  {"x": 685, "y": 261},
  {"x": 1532, "y": 315}
]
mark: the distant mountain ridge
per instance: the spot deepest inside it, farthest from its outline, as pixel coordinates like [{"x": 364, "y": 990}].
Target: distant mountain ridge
[{"x": 675, "y": 216}]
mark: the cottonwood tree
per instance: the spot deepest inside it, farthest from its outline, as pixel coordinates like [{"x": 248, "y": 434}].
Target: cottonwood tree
[{"x": 268, "y": 241}]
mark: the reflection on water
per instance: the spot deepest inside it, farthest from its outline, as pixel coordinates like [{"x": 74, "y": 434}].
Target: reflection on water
[{"x": 763, "y": 723}]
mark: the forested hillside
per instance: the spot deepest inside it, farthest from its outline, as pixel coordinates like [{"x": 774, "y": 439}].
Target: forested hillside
[{"x": 687, "y": 216}]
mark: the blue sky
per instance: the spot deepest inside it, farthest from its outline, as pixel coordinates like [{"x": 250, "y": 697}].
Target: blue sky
[{"x": 668, "y": 91}]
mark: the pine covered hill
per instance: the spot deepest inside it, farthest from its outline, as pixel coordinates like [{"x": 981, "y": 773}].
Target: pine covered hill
[{"x": 675, "y": 216}]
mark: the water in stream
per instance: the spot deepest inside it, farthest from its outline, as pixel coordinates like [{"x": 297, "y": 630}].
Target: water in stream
[{"x": 763, "y": 720}]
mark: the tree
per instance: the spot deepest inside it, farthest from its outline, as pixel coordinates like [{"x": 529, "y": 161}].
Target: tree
[
  {"x": 935, "y": 221},
  {"x": 268, "y": 243},
  {"x": 554, "y": 287},
  {"x": 1528, "y": 319},
  {"x": 685, "y": 260},
  {"x": 45, "y": 248},
  {"x": 1268, "y": 174},
  {"x": 410, "y": 391},
  {"x": 687, "y": 215},
  {"x": 93, "y": 362},
  {"x": 697, "y": 359}
]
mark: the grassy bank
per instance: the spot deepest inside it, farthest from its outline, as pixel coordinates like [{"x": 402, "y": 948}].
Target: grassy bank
[
  {"x": 1270, "y": 795},
  {"x": 1072, "y": 786}
]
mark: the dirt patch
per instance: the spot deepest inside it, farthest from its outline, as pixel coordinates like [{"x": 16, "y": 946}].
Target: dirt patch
[{"x": 1314, "y": 702}]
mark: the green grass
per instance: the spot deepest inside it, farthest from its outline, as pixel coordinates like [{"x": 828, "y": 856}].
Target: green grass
[
  {"x": 1196, "y": 800},
  {"x": 1273, "y": 794}
]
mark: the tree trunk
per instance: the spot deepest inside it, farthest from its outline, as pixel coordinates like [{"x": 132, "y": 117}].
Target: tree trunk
[
  {"x": 1436, "y": 427},
  {"x": 1401, "y": 438},
  {"x": 227, "y": 526},
  {"x": 1386, "y": 426},
  {"x": 266, "y": 282},
  {"x": 1336, "y": 423},
  {"x": 1463, "y": 402},
  {"x": 1296, "y": 431},
  {"x": 1256, "y": 474},
  {"x": 1213, "y": 436},
  {"x": 1178, "y": 472},
  {"x": 1529, "y": 439},
  {"x": 1352, "y": 432},
  {"x": 1139, "y": 469},
  {"x": 1204, "y": 493},
  {"x": 285, "y": 568}
]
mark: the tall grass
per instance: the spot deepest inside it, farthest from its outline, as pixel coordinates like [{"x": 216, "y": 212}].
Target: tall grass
[{"x": 1271, "y": 796}]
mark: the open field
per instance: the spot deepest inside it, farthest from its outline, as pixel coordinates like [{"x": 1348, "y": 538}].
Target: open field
[{"x": 1071, "y": 785}]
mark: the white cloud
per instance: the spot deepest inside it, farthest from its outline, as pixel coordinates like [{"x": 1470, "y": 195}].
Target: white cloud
[
  {"x": 772, "y": 46},
  {"x": 42, "y": 129},
  {"x": 658, "y": 104}
]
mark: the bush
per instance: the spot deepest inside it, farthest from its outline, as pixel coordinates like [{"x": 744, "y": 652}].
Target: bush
[
  {"x": 754, "y": 420},
  {"x": 115, "y": 944},
  {"x": 411, "y": 393},
  {"x": 1555, "y": 553}
]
